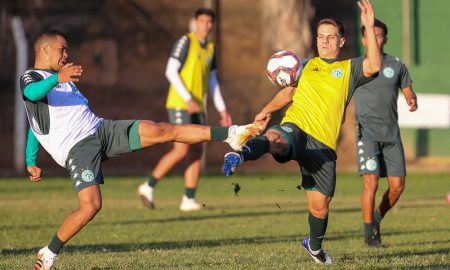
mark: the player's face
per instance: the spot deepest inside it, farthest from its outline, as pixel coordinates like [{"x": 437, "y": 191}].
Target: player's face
[
  {"x": 329, "y": 42},
  {"x": 379, "y": 35},
  {"x": 203, "y": 26},
  {"x": 56, "y": 53}
]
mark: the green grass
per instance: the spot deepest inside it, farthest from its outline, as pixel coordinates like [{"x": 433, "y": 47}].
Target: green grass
[{"x": 261, "y": 228}]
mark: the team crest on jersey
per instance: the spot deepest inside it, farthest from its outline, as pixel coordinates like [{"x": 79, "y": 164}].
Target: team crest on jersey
[
  {"x": 388, "y": 72},
  {"x": 337, "y": 72},
  {"x": 87, "y": 176},
  {"x": 371, "y": 164},
  {"x": 287, "y": 129}
]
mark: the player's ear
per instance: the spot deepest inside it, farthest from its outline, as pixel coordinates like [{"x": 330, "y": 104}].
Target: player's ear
[
  {"x": 385, "y": 40},
  {"x": 341, "y": 42}
]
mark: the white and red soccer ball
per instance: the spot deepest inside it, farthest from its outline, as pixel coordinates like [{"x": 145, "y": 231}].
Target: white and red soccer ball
[{"x": 284, "y": 68}]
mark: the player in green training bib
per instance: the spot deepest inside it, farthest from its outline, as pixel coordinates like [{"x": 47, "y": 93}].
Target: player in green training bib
[{"x": 378, "y": 143}]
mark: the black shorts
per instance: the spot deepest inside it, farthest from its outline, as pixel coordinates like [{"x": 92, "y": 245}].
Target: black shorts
[
  {"x": 179, "y": 117},
  {"x": 317, "y": 161},
  {"x": 84, "y": 159}
]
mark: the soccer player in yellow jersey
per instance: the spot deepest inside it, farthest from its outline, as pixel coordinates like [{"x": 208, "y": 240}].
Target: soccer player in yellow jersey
[
  {"x": 191, "y": 70},
  {"x": 310, "y": 128}
]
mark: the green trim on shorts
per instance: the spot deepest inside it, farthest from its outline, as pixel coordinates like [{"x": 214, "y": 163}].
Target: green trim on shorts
[
  {"x": 313, "y": 189},
  {"x": 133, "y": 136}
]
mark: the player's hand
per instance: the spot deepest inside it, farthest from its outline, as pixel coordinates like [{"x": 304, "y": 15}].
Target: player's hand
[
  {"x": 69, "y": 73},
  {"x": 35, "y": 173},
  {"x": 262, "y": 119},
  {"x": 367, "y": 13},
  {"x": 225, "y": 119},
  {"x": 192, "y": 106},
  {"x": 412, "y": 103}
]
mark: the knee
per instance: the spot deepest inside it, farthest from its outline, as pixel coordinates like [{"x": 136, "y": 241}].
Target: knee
[
  {"x": 319, "y": 212},
  {"x": 397, "y": 188},
  {"x": 370, "y": 183},
  {"x": 278, "y": 143},
  {"x": 89, "y": 211}
]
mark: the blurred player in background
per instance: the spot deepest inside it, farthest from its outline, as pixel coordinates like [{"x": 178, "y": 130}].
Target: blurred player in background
[
  {"x": 378, "y": 143},
  {"x": 309, "y": 131},
  {"x": 191, "y": 70},
  {"x": 78, "y": 140}
]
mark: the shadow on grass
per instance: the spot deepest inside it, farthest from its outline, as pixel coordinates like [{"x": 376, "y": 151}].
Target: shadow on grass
[
  {"x": 184, "y": 218},
  {"x": 169, "y": 245}
]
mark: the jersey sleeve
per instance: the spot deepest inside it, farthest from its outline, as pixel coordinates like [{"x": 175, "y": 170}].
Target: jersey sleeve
[
  {"x": 180, "y": 49},
  {"x": 34, "y": 87},
  {"x": 357, "y": 77},
  {"x": 405, "y": 79},
  {"x": 32, "y": 149}
]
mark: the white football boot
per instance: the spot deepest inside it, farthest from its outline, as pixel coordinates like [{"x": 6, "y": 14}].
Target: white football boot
[
  {"x": 188, "y": 205},
  {"x": 45, "y": 259},
  {"x": 239, "y": 135},
  {"x": 146, "y": 193}
]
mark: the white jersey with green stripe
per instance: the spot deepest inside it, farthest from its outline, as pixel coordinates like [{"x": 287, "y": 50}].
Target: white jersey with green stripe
[{"x": 61, "y": 119}]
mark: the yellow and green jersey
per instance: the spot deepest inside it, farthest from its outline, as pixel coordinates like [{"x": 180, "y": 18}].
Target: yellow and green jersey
[
  {"x": 197, "y": 61},
  {"x": 323, "y": 92}
]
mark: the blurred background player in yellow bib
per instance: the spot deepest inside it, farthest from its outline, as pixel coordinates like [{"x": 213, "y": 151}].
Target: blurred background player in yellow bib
[{"x": 191, "y": 71}]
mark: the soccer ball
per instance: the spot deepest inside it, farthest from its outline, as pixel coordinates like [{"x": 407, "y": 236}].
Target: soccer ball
[{"x": 284, "y": 68}]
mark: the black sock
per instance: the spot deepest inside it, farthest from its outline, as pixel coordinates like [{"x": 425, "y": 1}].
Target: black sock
[
  {"x": 317, "y": 229},
  {"x": 56, "y": 244},
  {"x": 219, "y": 134},
  {"x": 190, "y": 192},
  {"x": 152, "y": 181},
  {"x": 368, "y": 228},
  {"x": 255, "y": 148}
]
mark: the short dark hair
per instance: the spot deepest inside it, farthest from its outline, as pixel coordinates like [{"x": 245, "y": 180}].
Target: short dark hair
[
  {"x": 48, "y": 33},
  {"x": 377, "y": 23},
  {"x": 339, "y": 25},
  {"x": 205, "y": 11}
]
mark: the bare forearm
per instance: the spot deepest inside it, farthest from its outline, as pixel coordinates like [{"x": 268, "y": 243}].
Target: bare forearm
[
  {"x": 373, "y": 54},
  {"x": 281, "y": 99},
  {"x": 408, "y": 93}
]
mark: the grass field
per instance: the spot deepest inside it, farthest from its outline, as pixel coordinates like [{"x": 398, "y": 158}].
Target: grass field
[{"x": 261, "y": 228}]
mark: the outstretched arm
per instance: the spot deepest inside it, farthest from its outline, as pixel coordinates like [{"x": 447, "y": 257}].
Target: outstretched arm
[
  {"x": 281, "y": 99},
  {"x": 372, "y": 63}
]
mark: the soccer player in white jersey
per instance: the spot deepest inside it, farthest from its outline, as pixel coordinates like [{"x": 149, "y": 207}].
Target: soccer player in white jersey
[{"x": 61, "y": 121}]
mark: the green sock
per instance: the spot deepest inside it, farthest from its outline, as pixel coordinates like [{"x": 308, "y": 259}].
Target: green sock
[
  {"x": 317, "y": 229},
  {"x": 219, "y": 134},
  {"x": 377, "y": 216},
  {"x": 152, "y": 181},
  {"x": 255, "y": 148},
  {"x": 368, "y": 228},
  {"x": 56, "y": 244},
  {"x": 190, "y": 192}
]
